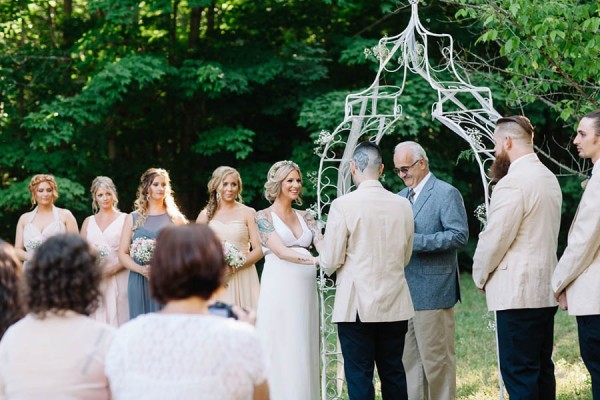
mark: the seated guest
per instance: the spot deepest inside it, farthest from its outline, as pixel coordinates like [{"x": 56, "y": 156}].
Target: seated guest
[
  {"x": 11, "y": 286},
  {"x": 57, "y": 351},
  {"x": 182, "y": 351}
]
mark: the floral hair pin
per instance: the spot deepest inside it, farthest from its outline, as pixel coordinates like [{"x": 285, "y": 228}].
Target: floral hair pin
[{"x": 280, "y": 164}]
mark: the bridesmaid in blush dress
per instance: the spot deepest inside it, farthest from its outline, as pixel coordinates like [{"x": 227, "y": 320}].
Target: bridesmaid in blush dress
[
  {"x": 234, "y": 222},
  {"x": 288, "y": 310},
  {"x": 155, "y": 208},
  {"x": 103, "y": 230},
  {"x": 45, "y": 220}
]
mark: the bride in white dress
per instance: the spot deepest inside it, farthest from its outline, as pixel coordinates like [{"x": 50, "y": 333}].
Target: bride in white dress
[{"x": 288, "y": 313}]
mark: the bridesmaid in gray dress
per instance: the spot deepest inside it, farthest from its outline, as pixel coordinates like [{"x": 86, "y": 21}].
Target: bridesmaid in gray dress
[{"x": 155, "y": 208}]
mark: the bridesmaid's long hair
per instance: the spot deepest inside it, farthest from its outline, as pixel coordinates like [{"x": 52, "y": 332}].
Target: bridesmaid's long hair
[
  {"x": 103, "y": 182},
  {"x": 141, "y": 203},
  {"x": 218, "y": 176}
]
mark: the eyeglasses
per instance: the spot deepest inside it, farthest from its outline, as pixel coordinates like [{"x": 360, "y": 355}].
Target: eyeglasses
[{"x": 404, "y": 170}]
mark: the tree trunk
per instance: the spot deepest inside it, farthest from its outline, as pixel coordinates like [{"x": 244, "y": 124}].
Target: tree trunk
[
  {"x": 194, "y": 34},
  {"x": 68, "y": 8},
  {"x": 173, "y": 32},
  {"x": 210, "y": 20}
]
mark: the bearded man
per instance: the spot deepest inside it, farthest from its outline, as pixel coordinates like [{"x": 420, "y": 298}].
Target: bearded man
[{"x": 515, "y": 259}]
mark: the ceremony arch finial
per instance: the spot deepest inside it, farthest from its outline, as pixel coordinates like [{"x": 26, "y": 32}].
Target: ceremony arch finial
[{"x": 466, "y": 109}]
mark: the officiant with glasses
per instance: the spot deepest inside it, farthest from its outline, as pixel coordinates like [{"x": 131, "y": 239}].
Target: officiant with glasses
[{"x": 432, "y": 274}]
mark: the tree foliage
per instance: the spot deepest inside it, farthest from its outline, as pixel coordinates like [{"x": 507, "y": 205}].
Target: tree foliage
[
  {"x": 113, "y": 87},
  {"x": 546, "y": 53}
]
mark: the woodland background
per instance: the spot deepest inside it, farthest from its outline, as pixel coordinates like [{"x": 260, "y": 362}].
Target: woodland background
[{"x": 113, "y": 87}]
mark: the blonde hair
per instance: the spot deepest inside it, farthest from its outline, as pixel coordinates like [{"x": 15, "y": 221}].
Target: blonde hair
[
  {"x": 103, "y": 182},
  {"x": 141, "y": 203},
  {"x": 218, "y": 176},
  {"x": 276, "y": 175},
  {"x": 41, "y": 178}
]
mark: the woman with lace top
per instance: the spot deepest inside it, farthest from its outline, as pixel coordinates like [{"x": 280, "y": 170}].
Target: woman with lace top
[
  {"x": 45, "y": 220},
  {"x": 234, "y": 222},
  {"x": 288, "y": 314},
  {"x": 182, "y": 351}
]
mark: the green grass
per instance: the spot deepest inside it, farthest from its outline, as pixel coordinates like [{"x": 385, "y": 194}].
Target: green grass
[{"x": 477, "y": 373}]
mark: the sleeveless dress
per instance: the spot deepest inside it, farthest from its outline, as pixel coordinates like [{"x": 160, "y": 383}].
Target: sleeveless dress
[
  {"x": 114, "y": 306},
  {"x": 138, "y": 288},
  {"x": 243, "y": 287},
  {"x": 33, "y": 238},
  {"x": 288, "y": 321}
]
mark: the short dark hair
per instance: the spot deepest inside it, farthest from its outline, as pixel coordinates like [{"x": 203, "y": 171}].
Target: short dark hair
[
  {"x": 594, "y": 116},
  {"x": 63, "y": 275},
  {"x": 523, "y": 122},
  {"x": 367, "y": 154},
  {"x": 187, "y": 261},
  {"x": 12, "y": 307}
]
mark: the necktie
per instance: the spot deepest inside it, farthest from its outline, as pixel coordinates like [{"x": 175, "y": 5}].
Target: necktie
[{"x": 411, "y": 196}]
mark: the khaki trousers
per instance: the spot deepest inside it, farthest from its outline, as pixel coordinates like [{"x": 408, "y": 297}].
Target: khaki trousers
[{"x": 429, "y": 356}]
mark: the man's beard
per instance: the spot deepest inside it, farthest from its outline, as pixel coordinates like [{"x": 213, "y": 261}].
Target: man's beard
[{"x": 499, "y": 168}]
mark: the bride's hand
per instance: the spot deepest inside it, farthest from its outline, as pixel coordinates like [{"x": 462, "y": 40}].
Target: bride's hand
[{"x": 316, "y": 262}]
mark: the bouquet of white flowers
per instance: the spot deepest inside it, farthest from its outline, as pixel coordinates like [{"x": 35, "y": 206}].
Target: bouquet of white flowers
[
  {"x": 233, "y": 256},
  {"x": 103, "y": 252},
  {"x": 32, "y": 245},
  {"x": 141, "y": 250}
]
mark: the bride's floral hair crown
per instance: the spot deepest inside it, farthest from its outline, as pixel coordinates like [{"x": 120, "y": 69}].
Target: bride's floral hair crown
[
  {"x": 280, "y": 164},
  {"x": 276, "y": 175}
]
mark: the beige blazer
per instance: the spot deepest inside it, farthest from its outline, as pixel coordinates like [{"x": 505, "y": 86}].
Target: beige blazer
[
  {"x": 579, "y": 267},
  {"x": 516, "y": 252},
  {"x": 368, "y": 241}
]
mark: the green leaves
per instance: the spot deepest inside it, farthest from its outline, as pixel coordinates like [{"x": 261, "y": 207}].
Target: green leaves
[
  {"x": 550, "y": 51},
  {"x": 236, "y": 140}
]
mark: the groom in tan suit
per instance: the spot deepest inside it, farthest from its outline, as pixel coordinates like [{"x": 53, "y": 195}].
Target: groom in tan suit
[
  {"x": 368, "y": 242},
  {"x": 576, "y": 279},
  {"x": 515, "y": 259}
]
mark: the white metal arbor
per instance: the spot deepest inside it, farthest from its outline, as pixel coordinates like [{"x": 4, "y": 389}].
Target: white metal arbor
[{"x": 467, "y": 110}]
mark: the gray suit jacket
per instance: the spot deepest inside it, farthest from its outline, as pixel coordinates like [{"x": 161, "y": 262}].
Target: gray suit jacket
[{"x": 440, "y": 229}]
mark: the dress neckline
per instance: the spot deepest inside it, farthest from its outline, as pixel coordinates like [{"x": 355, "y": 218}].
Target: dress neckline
[
  {"x": 300, "y": 219},
  {"x": 41, "y": 231},
  {"x": 233, "y": 221},
  {"x": 107, "y": 226}
]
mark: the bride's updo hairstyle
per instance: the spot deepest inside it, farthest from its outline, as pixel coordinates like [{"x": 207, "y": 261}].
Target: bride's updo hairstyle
[{"x": 276, "y": 175}]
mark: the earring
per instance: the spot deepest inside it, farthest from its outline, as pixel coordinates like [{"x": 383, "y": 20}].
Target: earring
[{"x": 218, "y": 196}]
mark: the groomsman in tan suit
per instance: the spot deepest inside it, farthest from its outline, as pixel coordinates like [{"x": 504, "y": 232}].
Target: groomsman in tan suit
[
  {"x": 515, "y": 259},
  {"x": 368, "y": 242},
  {"x": 576, "y": 280}
]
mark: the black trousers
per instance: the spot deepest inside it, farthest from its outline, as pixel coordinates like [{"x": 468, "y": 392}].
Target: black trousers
[
  {"x": 588, "y": 327},
  {"x": 525, "y": 339},
  {"x": 365, "y": 344}
]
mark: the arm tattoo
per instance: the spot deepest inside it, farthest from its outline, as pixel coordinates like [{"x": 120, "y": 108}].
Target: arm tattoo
[
  {"x": 265, "y": 227},
  {"x": 313, "y": 225}
]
